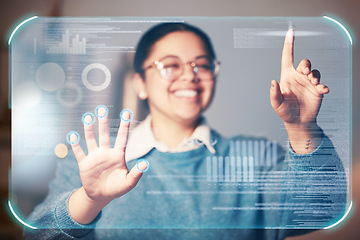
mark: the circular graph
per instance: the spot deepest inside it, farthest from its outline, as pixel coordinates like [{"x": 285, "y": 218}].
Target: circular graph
[
  {"x": 91, "y": 86},
  {"x": 50, "y": 76},
  {"x": 70, "y": 95}
]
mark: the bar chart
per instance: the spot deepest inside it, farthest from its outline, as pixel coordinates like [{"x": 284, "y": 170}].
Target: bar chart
[{"x": 69, "y": 46}]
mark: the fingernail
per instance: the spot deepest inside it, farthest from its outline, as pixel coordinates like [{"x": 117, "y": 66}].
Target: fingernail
[
  {"x": 290, "y": 33},
  {"x": 88, "y": 118},
  {"x": 126, "y": 115},
  {"x": 142, "y": 165},
  {"x": 73, "y": 137},
  {"x": 101, "y": 111}
]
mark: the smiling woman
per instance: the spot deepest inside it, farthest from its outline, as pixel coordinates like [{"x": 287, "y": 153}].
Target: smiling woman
[
  {"x": 176, "y": 103},
  {"x": 197, "y": 179}
]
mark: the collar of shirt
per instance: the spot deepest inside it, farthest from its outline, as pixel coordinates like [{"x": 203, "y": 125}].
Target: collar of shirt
[{"x": 141, "y": 140}]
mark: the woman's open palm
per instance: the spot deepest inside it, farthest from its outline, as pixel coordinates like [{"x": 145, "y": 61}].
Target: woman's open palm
[{"x": 103, "y": 170}]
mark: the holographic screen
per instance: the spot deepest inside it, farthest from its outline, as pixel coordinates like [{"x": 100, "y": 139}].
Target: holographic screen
[{"x": 61, "y": 68}]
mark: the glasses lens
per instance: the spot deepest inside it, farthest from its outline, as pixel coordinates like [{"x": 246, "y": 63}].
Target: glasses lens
[
  {"x": 170, "y": 68},
  {"x": 206, "y": 68}
]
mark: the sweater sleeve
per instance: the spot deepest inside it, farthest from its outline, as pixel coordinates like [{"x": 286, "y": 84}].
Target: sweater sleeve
[
  {"x": 52, "y": 217},
  {"x": 315, "y": 189}
]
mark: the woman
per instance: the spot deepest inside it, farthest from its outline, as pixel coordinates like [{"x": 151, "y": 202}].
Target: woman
[{"x": 175, "y": 71}]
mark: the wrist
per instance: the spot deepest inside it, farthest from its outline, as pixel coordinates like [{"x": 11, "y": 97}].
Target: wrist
[
  {"x": 95, "y": 203},
  {"x": 84, "y": 209},
  {"x": 304, "y": 138}
]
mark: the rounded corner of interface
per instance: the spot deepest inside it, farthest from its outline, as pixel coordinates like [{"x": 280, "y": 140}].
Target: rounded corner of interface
[{"x": 18, "y": 27}]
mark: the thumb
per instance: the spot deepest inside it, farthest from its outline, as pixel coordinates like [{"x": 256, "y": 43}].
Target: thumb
[
  {"x": 137, "y": 171},
  {"x": 276, "y": 98}
]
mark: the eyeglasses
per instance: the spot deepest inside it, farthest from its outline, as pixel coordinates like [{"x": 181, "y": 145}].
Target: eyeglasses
[{"x": 171, "y": 68}]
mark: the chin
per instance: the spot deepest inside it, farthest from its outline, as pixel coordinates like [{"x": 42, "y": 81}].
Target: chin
[{"x": 189, "y": 116}]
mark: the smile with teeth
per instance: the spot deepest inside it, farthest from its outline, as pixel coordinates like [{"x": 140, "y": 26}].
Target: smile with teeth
[{"x": 185, "y": 93}]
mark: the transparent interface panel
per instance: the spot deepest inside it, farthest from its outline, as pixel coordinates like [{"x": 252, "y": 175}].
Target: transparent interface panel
[{"x": 236, "y": 171}]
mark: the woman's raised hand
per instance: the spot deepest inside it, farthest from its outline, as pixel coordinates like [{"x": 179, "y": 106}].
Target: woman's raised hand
[
  {"x": 297, "y": 99},
  {"x": 103, "y": 171}
]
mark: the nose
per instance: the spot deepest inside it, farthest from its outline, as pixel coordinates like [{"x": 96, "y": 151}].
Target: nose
[{"x": 190, "y": 73}]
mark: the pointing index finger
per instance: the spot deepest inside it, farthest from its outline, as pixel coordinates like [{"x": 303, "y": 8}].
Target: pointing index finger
[{"x": 287, "y": 60}]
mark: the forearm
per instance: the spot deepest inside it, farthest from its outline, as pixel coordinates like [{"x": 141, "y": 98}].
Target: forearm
[
  {"x": 317, "y": 187},
  {"x": 304, "y": 138},
  {"x": 53, "y": 221},
  {"x": 83, "y": 209}
]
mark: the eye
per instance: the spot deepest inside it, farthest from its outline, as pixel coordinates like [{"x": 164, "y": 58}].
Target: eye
[
  {"x": 206, "y": 67},
  {"x": 204, "y": 64},
  {"x": 173, "y": 65}
]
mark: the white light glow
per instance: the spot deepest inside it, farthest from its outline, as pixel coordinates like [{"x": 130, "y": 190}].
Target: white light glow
[
  {"x": 19, "y": 219},
  {"x": 338, "y": 222},
  {"x": 283, "y": 33},
  {"x": 342, "y": 26},
  {"x": 18, "y": 26}
]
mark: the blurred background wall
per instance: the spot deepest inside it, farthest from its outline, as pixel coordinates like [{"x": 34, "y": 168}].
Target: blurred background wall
[{"x": 13, "y": 12}]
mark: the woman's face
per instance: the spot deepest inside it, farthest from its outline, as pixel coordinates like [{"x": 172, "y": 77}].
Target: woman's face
[{"x": 185, "y": 98}]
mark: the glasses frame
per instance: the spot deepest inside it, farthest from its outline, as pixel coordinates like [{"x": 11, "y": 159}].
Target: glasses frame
[{"x": 160, "y": 66}]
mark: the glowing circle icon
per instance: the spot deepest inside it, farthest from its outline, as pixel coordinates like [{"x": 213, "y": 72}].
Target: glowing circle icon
[
  {"x": 121, "y": 115},
  {"x": 101, "y": 108},
  {"x": 61, "y": 150},
  {"x": 147, "y": 165},
  {"x": 50, "y": 76},
  {"x": 77, "y": 137},
  {"x": 91, "y": 116},
  {"x": 91, "y": 86}
]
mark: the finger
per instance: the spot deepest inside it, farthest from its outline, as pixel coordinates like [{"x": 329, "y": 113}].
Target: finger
[
  {"x": 122, "y": 136},
  {"x": 314, "y": 81},
  {"x": 322, "y": 89},
  {"x": 287, "y": 59},
  {"x": 276, "y": 98},
  {"x": 104, "y": 132},
  {"x": 315, "y": 76},
  {"x": 304, "y": 81},
  {"x": 74, "y": 139},
  {"x": 88, "y": 120},
  {"x": 304, "y": 67},
  {"x": 137, "y": 171}
]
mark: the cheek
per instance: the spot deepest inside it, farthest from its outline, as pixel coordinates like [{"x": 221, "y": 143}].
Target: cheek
[
  {"x": 157, "y": 89},
  {"x": 152, "y": 84},
  {"x": 209, "y": 89},
  {"x": 209, "y": 94}
]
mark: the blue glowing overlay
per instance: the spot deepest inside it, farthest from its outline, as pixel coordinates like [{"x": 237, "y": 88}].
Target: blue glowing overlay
[{"x": 63, "y": 69}]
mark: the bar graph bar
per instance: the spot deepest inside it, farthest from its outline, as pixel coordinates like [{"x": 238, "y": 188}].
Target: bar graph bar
[
  {"x": 221, "y": 169},
  {"x": 69, "y": 46},
  {"x": 227, "y": 169},
  {"x": 208, "y": 169},
  {"x": 215, "y": 169},
  {"x": 244, "y": 157}
]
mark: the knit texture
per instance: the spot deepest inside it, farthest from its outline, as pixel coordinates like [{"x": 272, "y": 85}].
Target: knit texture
[{"x": 196, "y": 194}]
